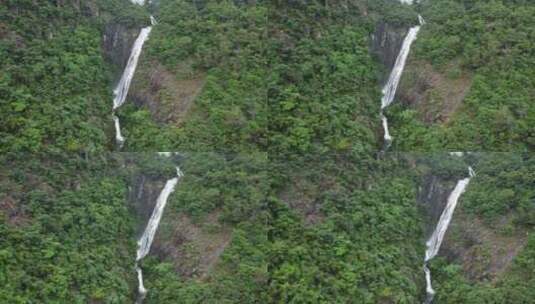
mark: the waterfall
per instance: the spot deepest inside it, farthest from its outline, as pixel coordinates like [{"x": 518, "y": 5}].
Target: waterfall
[
  {"x": 146, "y": 239},
  {"x": 121, "y": 90},
  {"x": 118, "y": 136},
  {"x": 434, "y": 242},
  {"x": 387, "y": 136},
  {"x": 389, "y": 90}
]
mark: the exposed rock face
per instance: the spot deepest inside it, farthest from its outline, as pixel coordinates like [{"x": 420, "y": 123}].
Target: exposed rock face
[
  {"x": 433, "y": 196},
  {"x": 386, "y": 42},
  {"x": 143, "y": 195},
  {"x": 484, "y": 252},
  {"x": 117, "y": 42},
  {"x": 433, "y": 94},
  {"x": 168, "y": 96},
  {"x": 193, "y": 247}
]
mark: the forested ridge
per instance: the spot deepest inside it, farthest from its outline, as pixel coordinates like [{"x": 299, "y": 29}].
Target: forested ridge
[{"x": 272, "y": 112}]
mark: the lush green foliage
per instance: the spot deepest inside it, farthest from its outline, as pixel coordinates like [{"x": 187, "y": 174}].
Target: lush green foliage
[
  {"x": 357, "y": 240},
  {"x": 504, "y": 186},
  {"x": 65, "y": 230},
  {"x": 286, "y": 78},
  {"x": 290, "y": 94},
  {"x": 323, "y": 94},
  {"x": 514, "y": 287},
  {"x": 240, "y": 275}
]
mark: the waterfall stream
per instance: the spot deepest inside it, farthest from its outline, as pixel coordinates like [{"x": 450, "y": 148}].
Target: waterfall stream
[
  {"x": 121, "y": 90},
  {"x": 389, "y": 90},
  {"x": 434, "y": 242},
  {"x": 145, "y": 242}
]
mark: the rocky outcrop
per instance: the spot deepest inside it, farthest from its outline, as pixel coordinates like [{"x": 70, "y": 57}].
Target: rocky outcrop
[
  {"x": 168, "y": 95},
  {"x": 194, "y": 247},
  {"x": 435, "y": 95},
  {"x": 433, "y": 196},
  {"x": 386, "y": 42},
  {"x": 143, "y": 193},
  {"x": 117, "y": 42},
  {"x": 484, "y": 252}
]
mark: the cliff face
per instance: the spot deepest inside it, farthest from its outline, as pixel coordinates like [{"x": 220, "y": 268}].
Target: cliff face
[
  {"x": 385, "y": 44},
  {"x": 433, "y": 196},
  {"x": 194, "y": 247},
  {"x": 117, "y": 42},
  {"x": 143, "y": 193}
]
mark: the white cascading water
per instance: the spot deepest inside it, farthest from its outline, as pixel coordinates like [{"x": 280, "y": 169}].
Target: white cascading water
[
  {"x": 146, "y": 239},
  {"x": 118, "y": 136},
  {"x": 121, "y": 90},
  {"x": 434, "y": 242},
  {"x": 389, "y": 90}
]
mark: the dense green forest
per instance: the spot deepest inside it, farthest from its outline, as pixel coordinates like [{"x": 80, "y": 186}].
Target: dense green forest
[
  {"x": 220, "y": 50},
  {"x": 68, "y": 227},
  {"x": 349, "y": 234},
  {"x": 294, "y": 77},
  {"x": 323, "y": 95},
  {"x": 66, "y": 231},
  {"x": 218, "y": 213},
  {"x": 279, "y": 77}
]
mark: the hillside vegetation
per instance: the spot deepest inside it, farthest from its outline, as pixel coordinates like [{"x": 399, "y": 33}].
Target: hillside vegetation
[{"x": 66, "y": 231}]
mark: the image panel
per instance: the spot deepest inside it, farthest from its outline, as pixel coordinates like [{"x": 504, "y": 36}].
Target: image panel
[
  {"x": 403, "y": 228},
  {"x": 200, "y": 82},
  {"x": 133, "y": 227},
  {"x": 136, "y": 76},
  {"x": 468, "y": 83}
]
